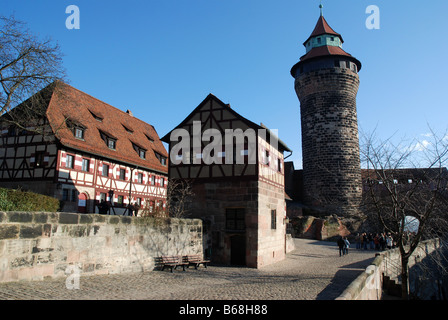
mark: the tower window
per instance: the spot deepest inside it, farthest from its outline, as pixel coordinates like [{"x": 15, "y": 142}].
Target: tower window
[
  {"x": 273, "y": 219},
  {"x": 336, "y": 63},
  {"x": 319, "y": 40}
]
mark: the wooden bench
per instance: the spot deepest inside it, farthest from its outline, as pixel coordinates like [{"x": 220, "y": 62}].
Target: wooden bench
[
  {"x": 173, "y": 262},
  {"x": 195, "y": 260}
]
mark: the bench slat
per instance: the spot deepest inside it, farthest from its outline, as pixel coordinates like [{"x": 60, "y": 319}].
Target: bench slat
[
  {"x": 172, "y": 262},
  {"x": 196, "y": 260}
]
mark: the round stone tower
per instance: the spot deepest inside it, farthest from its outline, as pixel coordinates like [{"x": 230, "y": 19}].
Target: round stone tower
[{"x": 326, "y": 83}]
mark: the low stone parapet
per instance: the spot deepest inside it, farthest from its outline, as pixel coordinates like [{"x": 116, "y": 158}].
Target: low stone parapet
[{"x": 37, "y": 245}]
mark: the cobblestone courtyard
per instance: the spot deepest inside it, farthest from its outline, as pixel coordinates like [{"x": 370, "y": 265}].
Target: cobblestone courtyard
[{"x": 313, "y": 271}]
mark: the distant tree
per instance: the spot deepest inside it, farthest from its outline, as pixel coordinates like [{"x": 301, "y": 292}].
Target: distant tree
[
  {"x": 27, "y": 65},
  {"x": 405, "y": 189},
  {"x": 178, "y": 200}
]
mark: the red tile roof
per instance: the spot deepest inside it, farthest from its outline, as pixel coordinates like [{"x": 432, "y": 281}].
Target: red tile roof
[
  {"x": 322, "y": 27},
  {"x": 325, "y": 51},
  {"x": 97, "y": 116}
]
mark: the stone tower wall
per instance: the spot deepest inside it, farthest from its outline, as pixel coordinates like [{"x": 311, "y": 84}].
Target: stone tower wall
[{"x": 330, "y": 142}]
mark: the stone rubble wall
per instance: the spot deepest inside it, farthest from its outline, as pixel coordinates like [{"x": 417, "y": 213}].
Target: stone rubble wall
[{"x": 39, "y": 245}]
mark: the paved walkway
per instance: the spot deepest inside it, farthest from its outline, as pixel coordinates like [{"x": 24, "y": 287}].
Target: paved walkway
[{"x": 313, "y": 271}]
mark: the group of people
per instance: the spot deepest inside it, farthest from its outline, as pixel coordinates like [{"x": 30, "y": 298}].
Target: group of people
[
  {"x": 343, "y": 245},
  {"x": 377, "y": 241},
  {"x": 366, "y": 241}
]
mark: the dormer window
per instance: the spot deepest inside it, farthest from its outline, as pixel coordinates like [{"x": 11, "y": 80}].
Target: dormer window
[
  {"x": 161, "y": 158},
  {"x": 149, "y": 138},
  {"x": 96, "y": 116},
  {"x": 79, "y": 133},
  {"x": 110, "y": 141},
  {"x": 77, "y": 128},
  {"x": 140, "y": 150},
  {"x": 129, "y": 130}
]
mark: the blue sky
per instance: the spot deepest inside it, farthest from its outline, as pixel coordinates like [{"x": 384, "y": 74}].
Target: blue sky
[{"x": 161, "y": 58}]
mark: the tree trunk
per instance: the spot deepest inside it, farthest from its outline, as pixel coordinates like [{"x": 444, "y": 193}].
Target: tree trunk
[{"x": 404, "y": 278}]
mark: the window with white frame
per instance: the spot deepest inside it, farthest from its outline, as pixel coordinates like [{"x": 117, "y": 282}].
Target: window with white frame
[{"x": 70, "y": 161}]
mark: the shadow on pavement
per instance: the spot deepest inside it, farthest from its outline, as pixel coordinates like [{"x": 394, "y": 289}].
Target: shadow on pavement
[{"x": 343, "y": 278}]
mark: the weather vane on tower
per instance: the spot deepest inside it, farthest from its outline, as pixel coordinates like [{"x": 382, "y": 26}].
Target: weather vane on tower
[{"x": 321, "y": 8}]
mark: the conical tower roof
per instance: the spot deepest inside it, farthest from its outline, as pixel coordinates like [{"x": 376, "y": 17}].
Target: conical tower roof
[
  {"x": 323, "y": 42},
  {"x": 322, "y": 27}
]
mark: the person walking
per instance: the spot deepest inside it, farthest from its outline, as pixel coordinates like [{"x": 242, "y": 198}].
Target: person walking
[
  {"x": 371, "y": 242},
  {"x": 383, "y": 241},
  {"x": 346, "y": 245},
  {"x": 376, "y": 240},
  {"x": 389, "y": 241},
  {"x": 341, "y": 245},
  {"x": 364, "y": 241},
  {"x": 358, "y": 240}
]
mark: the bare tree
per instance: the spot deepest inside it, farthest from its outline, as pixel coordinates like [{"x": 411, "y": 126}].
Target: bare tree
[
  {"x": 405, "y": 188},
  {"x": 27, "y": 65},
  {"x": 178, "y": 200}
]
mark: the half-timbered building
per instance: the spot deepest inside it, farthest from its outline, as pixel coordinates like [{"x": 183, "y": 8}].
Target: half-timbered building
[
  {"x": 88, "y": 151},
  {"x": 236, "y": 169}
]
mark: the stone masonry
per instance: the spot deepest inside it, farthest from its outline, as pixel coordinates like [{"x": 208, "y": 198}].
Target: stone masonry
[
  {"x": 35, "y": 246},
  {"x": 330, "y": 143}
]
